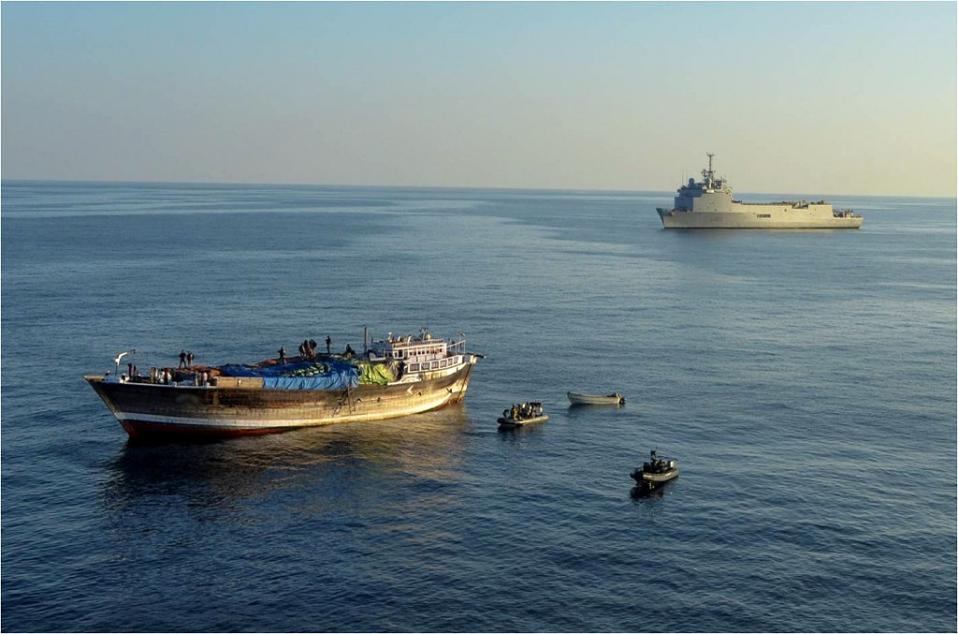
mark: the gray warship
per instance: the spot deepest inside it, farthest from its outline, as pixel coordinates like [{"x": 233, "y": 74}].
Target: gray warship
[{"x": 709, "y": 205}]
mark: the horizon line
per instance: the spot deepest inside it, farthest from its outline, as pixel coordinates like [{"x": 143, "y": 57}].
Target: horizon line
[{"x": 449, "y": 187}]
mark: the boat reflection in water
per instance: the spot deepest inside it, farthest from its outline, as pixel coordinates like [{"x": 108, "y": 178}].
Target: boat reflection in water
[
  {"x": 332, "y": 462},
  {"x": 650, "y": 491}
]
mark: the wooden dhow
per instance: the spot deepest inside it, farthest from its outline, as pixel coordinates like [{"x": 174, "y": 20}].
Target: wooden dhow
[{"x": 397, "y": 376}]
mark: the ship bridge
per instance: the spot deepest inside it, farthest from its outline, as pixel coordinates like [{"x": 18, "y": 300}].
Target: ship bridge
[
  {"x": 710, "y": 194},
  {"x": 424, "y": 352}
]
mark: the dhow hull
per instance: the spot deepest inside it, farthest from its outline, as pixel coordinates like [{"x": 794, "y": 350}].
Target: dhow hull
[{"x": 145, "y": 409}]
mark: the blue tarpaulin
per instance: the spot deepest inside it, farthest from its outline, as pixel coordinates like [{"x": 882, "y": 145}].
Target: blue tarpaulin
[
  {"x": 300, "y": 375},
  {"x": 331, "y": 381}
]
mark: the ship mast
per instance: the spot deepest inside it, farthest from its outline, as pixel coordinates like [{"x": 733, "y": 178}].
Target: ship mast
[{"x": 711, "y": 174}]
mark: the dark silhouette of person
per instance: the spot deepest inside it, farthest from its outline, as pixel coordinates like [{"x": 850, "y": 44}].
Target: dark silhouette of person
[
  {"x": 182, "y": 359},
  {"x": 329, "y": 342},
  {"x": 349, "y": 352},
  {"x": 282, "y": 355}
]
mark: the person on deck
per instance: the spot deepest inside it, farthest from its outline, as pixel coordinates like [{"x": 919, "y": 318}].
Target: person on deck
[
  {"x": 182, "y": 359},
  {"x": 282, "y": 355},
  {"x": 329, "y": 342}
]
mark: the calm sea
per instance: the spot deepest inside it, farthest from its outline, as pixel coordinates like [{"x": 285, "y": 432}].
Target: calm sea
[{"x": 804, "y": 380}]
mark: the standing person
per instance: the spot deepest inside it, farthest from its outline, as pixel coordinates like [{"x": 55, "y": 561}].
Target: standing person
[
  {"x": 189, "y": 359},
  {"x": 329, "y": 342},
  {"x": 182, "y": 359},
  {"x": 282, "y": 355},
  {"x": 312, "y": 348}
]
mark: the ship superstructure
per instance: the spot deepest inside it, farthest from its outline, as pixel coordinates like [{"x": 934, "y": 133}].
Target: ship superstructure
[
  {"x": 708, "y": 204},
  {"x": 396, "y": 376}
]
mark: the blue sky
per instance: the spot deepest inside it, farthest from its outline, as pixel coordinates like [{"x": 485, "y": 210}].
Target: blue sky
[{"x": 792, "y": 97}]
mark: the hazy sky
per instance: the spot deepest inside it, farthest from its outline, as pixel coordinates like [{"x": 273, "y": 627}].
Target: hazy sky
[{"x": 793, "y": 98}]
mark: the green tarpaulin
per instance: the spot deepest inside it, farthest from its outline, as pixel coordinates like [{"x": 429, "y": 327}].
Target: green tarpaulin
[{"x": 376, "y": 373}]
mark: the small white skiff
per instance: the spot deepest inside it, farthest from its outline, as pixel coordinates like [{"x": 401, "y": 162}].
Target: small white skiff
[{"x": 596, "y": 399}]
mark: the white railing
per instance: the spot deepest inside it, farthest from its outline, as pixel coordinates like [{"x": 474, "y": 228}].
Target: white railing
[{"x": 458, "y": 346}]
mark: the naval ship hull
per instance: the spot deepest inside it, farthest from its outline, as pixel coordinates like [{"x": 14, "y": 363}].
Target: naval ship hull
[
  {"x": 146, "y": 409},
  {"x": 708, "y": 204},
  {"x": 678, "y": 219}
]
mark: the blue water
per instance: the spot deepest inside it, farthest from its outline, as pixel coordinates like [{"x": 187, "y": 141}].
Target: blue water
[{"x": 804, "y": 380}]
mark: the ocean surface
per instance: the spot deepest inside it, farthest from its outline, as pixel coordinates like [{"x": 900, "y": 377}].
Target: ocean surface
[{"x": 805, "y": 381}]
